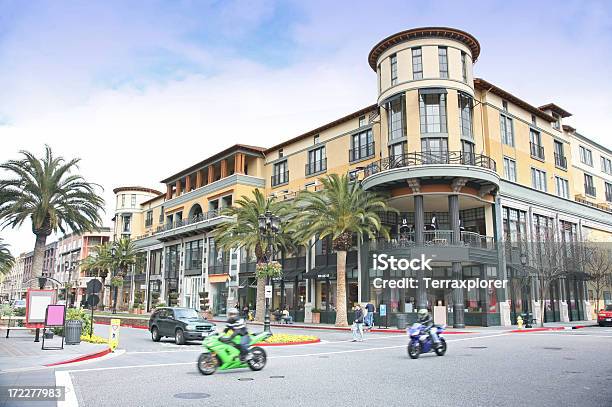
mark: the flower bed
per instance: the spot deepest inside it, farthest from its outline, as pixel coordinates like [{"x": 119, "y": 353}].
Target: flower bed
[
  {"x": 93, "y": 339},
  {"x": 289, "y": 339}
]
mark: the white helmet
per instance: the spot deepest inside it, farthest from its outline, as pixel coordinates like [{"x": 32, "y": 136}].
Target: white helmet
[{"x": 232, "y": 313}]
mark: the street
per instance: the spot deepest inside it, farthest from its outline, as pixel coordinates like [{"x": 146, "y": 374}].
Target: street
[{"x": 488, "y": 368}]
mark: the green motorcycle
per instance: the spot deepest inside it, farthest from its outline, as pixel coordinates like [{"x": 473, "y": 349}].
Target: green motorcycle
[{"x": 226, "y": 355}]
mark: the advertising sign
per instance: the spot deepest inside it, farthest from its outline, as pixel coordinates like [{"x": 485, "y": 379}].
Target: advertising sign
[
  {"x": 55, "y": 315},
  {"x": 382, "y": 309},
  {"x": 113, "y": 335},
  {"x": 36, "y": 306}
]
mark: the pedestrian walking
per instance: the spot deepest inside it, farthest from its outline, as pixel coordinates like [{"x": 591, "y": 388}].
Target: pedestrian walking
[
  {"x": 358, "y": 324},
  {"x": 369, "y": 319}
]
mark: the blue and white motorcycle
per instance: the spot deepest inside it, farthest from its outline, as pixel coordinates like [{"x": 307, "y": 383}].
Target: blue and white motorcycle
[{"x": 420, "y": 341}]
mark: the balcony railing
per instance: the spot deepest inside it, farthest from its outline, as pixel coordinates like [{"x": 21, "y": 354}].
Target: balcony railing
[
  {"x": 537, "y": 151},
  {"x": 560, "y": 161},
  {"x": 278, "y": 179},
  {"x": 590, "y": 190},
  {"x": 315, "y": 167},
  {"x": 437, "y": 238},
  {"x": 361, "y": 152},
  {"x": 601, "y": 206},
  {"x": 427, "y": 158},
  {"x": 188, "y": 221}
]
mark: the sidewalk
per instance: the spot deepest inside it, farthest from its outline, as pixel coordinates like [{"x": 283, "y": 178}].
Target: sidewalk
[{"x": 20, "y": 351}]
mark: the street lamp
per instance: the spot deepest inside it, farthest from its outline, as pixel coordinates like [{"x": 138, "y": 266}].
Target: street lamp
[
  {"x": 269, "y": 226},
  {"x": 524, "y": 259}
]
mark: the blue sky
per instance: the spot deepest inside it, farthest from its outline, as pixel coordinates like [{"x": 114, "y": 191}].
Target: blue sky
[{"x": 166, "y": 83}]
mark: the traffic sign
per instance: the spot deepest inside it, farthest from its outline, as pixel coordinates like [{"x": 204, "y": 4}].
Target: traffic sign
[
  {"x": 94, "y": 286},
  {"x": 268, "y": 291},
  {"x": 113, "y": 336},
  {"x": 93, "y": 300}
]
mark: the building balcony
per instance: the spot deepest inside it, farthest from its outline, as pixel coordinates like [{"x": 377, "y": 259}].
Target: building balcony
[
  {"x": 387, "y": 171},
  {"x": 315, "y": 167},
  {"x": 560, "y": 161},
  {"x": 537, "y": 151},
  {"x": 190, "y": 226}
]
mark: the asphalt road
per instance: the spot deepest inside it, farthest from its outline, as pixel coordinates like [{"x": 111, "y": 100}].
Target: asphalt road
[{"x": 491, "y": 368}]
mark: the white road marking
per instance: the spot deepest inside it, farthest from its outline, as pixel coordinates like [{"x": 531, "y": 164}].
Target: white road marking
[
  {"x": 575, "y": 335},
  {"x": 111, "y": 355},
  {"x": 62, "y": 378},
  {"x": 96, "y": 369}
]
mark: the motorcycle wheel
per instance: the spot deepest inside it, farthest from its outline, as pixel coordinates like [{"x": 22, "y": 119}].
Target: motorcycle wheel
[
  {"x": 441, "y": 350},
  {"x": 258, "y": 358},
  {"x": 414, "y": 350},
  {"x": 207, "y": 364}
]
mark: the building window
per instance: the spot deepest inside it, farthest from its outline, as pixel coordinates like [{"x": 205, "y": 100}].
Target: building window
[
  {"x": 509, "y": 169},
  {"x": 133, "y": 201},
  {"x": 586, "y": 156},
  {"x": 557, "y": 122},
  {"x": 589, "y": 186},
  {"x": 434, "y": 150},
  {"x": 149, "y": 219},
  {"x": 123, "y": 200},
  {"x": 173, "y": 260},
  {"x": 606, "y": 165},
  {"x": 316, "y": 139},
  {"x": 281, "y": 174},
  {"x": 316, "y": 161},
  {"x": 433, "y": 113},
  {"x": 535, "y": 144},
  {"x": 395, "y": 111},
  {"x": 465, "y": 115},
  {"x": 193, "y": 255},
  {"x": 562, "y": 187},
  {"x": 534, "y": 122},
  {"x": 362, "y": 145},
  {"x": 397, "y": 150},
  {"x": 608, "y": 192},
  {"x": 417, "y": 64},
  {"x": 560, "y": 160},
  {"x": 127, "y": 223},
  {"x": 161, "y": 214},
  {"x": 515, "y": 225},
  {"x": 393, "y": 59},
  {"x": 280, "y": 153},
  {"x": 443, "y": 61},
  {"x": 464, "y": 66},
  {"x": 507, "y": 130},
  {"x": 468, "y": 151},
  {"x": 362, "y": 121},
  {"x": 538, "y": 179},
  {"x": 505, "y": 105}
]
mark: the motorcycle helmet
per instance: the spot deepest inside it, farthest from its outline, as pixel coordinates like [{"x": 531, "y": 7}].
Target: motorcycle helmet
[
  {"x": 423, "y": 313},
  {"x": 232, "y": 313}
]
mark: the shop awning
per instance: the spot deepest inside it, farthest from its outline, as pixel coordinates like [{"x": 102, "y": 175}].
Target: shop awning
[
  {"x": 290, "y": 275},
  {"x": 321, "y": 272}
]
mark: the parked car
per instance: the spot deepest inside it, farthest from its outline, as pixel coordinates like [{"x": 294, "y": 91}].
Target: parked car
[
  {"x": 182, "y": 324},
  {"x": 604, "y": 317}
]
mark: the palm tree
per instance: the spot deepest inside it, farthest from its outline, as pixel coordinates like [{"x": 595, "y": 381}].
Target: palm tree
[
  {"x": 243, "y": 232},
  {"x": 341, "y": 210},
  {"x": 6, "y": 258},
  {"x": 123, "y": 255},
  {"x": 49, "y": 193}
]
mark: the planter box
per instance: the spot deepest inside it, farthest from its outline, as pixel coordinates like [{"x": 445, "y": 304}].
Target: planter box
[{"x": 316, "y": 318}]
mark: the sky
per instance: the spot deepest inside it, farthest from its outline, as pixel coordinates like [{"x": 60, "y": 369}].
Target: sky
[{"x": 140, "y": 90}]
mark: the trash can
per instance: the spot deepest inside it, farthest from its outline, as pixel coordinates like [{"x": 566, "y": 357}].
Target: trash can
[
  {"x": 402, "y": 320},
  {"x": 72, "y": 332}
]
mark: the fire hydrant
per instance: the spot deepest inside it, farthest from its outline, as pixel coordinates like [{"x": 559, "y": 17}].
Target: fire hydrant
[{"x": 519, "y": 322}]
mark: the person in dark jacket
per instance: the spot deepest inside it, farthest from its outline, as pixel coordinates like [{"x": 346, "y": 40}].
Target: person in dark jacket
[
  {"x": 358, "y": 324},
  {"x": 238, "y": 327},
  {"x": 426, "y": 320}
]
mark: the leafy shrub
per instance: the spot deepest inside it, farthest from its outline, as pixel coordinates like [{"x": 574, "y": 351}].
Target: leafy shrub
[{"x": 79, "y": 314}]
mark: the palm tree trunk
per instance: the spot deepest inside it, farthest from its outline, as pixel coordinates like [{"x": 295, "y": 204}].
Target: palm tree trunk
[
  {"x": 261, "y": 299},
  {"x": 341, "y": 319},
  {"x": 542, "y": 306},
  {"x": 39, "y": 256}
]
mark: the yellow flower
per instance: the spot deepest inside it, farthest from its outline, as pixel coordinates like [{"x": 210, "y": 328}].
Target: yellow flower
[{"x": 289, "y": 338}]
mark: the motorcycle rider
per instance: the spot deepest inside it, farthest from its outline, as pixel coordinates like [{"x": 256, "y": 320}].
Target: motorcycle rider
[
  {"x": 239, "y": 328},
  {"x": 427, "y": 321}
]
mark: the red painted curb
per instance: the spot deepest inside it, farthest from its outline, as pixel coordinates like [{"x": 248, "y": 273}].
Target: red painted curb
[
  {"x": 82, "y": 358},
  {"x": 289, "y": 343}
]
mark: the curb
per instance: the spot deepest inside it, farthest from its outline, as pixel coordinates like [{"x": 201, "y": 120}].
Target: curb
[
  {"x": 81, "y": 358},
  {"x": 289, "y": 343},
  {"x": 552, "y": 328}
]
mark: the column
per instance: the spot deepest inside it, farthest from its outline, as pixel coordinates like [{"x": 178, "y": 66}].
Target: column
[
  {"x": 211, "y": 173},
  {"x": 458, "y": 300},
  {"x": 188, "y": 183},
  {"x": 168, "y": 192},
  {"x": 178, "y": 187},
  {"x": 199, "y": 178},
  {"x": 419, "y": 225},
  {"x": 223, "y": 168},
  {"x": 239, "y": 163},
  {"x": 364, "y": 271}
]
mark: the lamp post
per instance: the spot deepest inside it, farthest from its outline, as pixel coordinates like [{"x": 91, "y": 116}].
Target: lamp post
[
  {"x": 269, "y": 226},
  {"x": 524, "y": 259},
  {"x": 114, "y": 285}
]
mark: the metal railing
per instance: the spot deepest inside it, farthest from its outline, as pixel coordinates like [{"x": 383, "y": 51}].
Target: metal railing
[
  {"x": 601, "y": 206},
  {"x": 361, "y": 152},
  {"x": 279, "y": 179},
  {"x": 436, "y": 238},
  {"x": 536, "y": 150},
  {"x": 315, "y": 167},
  {"x": 590, "y": 190},
  {"x": 416, "y": 159},
  {"x": 188, "y": 221},
  {"x": 560, "y": 161}
]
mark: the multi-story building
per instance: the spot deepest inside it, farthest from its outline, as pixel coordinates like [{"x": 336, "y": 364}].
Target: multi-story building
[
  {"x": 13, "y": 287},
  {"x": 72, "y": 249},
  {"x": 48, "y": 265},
  {"x": 467, "y": 165}
]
